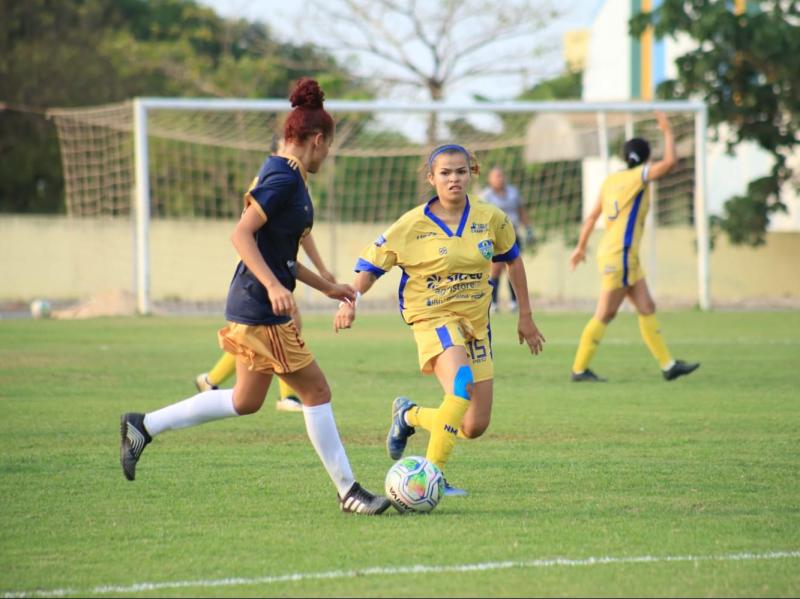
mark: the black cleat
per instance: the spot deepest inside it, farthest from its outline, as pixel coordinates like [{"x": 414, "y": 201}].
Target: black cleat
[
  {"x": 360, "y": 501},
  {"x": 587, "y": 376},
  {"x": 134, "y": 438},
  {"x": 679, "y": 368}
]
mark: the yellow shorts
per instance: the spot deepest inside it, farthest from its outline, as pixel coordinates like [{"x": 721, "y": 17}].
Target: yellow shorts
[
  {"x": 435, "y": 336},
  {"x": 618, "y": 271},
  {"x": 266, "y": 348}
]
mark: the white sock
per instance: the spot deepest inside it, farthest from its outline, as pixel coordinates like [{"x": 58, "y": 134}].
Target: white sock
[
  {"x": 203, "y": 407},
  {"x": 668, "y": 366},
  {"x": 321, "y": 429}
]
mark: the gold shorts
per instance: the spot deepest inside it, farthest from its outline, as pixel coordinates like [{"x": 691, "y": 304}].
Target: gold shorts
[
  {"x": 269, "y": 349},
  {"x": 619, "y": 270},
  {"x": 435, "y": 336}
]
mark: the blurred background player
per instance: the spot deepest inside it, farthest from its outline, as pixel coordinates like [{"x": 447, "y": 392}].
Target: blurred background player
[
  {"x": 445, "y": 248},
  {"x": 260, "y": 331},
  {"x": 506, "y": 197},
  {"x": 225, "y": 367},
  {"x": 624, "y": 201}
]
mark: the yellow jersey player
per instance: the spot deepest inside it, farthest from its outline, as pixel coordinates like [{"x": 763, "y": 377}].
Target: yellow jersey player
[
  {"x": 445, "y": 249},
  {"x": 623, "y": 203}
]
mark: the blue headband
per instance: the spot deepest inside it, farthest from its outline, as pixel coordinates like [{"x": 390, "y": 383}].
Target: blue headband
[{"x": 447, "y": 148}]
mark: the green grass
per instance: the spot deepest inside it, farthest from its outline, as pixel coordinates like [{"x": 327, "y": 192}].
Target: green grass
[{"x": 703, "y": 466}]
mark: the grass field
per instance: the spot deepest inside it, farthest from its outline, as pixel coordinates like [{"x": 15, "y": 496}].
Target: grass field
[{"x": 689, "y": 488}]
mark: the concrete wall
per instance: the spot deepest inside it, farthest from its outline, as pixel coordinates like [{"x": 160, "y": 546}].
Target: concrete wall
[{"x": 63, "y": 258}]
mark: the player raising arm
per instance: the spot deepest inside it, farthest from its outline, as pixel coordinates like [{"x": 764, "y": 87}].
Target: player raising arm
[
  {"x": 623, "y": 202},
  {"x": 260, "y": 331},
  {"x": 445, "y": 249}
]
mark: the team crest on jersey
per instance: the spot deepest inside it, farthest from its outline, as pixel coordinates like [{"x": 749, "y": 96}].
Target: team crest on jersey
[
  {"x": 486, "y": 248},
  {"x": 479, "y": 227},
  {"x": 380, "y": 241}
]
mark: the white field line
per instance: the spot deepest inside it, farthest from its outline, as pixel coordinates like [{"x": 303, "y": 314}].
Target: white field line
[
  {"x": 392, "y": 571},
  {"x": 674, "y": 340}
]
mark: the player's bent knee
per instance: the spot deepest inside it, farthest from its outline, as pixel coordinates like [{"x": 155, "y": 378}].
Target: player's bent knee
[
  {"x": 244, "y": 408},
  {"x": 317, "y": 395},
  {"x": 473, "y": 430}
]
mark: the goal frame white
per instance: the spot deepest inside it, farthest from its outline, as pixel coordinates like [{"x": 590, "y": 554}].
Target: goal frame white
[{"x": 142, "y": 105}]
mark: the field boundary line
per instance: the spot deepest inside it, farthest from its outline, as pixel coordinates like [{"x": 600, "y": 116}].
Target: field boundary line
[{"x": 395, "y": 570}]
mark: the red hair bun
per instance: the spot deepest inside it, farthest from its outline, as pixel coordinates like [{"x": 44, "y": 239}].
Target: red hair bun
[{"x": 307, "y": 94}]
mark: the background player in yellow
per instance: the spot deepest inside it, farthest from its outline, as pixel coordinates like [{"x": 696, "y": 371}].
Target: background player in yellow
[
  {"x": 445, "y": 248},
  {"x": 623, "y": 202},
  {"x": 226, "y": 365}
]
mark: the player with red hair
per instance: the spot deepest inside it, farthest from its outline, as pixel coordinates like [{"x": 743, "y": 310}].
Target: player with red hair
[{"x": 260, "y": 333}]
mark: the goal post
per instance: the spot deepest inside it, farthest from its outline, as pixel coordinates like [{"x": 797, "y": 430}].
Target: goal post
[{"x": 192, "y": 158}]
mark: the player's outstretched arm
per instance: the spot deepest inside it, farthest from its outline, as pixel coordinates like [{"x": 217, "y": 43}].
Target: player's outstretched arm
[
  {"x": 579, "y": 253},
  {"x": 347, "y": 309},
  {"x": 526, "y": 328},
  {"x": 338, "y": 291},
  {"x": 661, "y": 167}
]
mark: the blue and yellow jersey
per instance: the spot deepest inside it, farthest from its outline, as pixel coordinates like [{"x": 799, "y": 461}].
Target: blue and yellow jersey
[
  {"x": 279, "y": 193},
  {"x": 445, "y": 272},
  {"x": 626, "y": 199}
]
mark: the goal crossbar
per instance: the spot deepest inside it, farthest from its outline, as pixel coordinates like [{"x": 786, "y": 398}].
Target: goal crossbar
[{"x": 141, "y": 107}]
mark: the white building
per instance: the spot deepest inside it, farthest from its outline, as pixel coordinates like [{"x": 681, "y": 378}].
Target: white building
[{"x": 619, "y": 67}]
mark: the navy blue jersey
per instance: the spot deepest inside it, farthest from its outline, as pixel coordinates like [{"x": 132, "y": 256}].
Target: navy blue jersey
[{"x": 280, "y": 193}]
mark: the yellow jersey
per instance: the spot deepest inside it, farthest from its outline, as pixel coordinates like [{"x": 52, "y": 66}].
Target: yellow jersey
[
  {"x": 445, "y": 272},
  {"x": 625, "y": 200}
]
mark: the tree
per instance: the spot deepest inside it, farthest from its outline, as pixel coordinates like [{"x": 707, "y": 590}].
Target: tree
[
  {"x": 87, "y": 52},
  {"x": 433, "y": 45},
  {"x": 747, "y": 69}
]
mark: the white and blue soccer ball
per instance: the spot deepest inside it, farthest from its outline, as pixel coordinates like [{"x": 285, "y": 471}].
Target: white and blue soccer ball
[
  {"x": 414, "y": 484},
  {"x": 40, "y": 308}
]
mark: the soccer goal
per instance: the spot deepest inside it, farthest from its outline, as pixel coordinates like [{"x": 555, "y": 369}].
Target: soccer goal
[{"x": 190, "y": 160}]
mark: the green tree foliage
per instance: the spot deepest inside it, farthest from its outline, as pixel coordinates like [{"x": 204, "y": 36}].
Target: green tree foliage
[
  {"x": 747, "y": 69},
  {"x": 87, "y": 52},
  {"x": 568, "y": 86}
]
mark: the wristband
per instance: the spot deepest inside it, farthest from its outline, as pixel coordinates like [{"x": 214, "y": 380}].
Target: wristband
[{"x": 354, "y": 304}]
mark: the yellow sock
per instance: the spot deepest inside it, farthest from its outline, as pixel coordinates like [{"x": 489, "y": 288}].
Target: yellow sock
[
  {"x": 422, "y": 417},
  {"x": 223, "y": 369},
  {"x": 590, "y": 339},
  {"x": 651, "y": 333},
  {"x": 285, "y": 389},
  {"x": 445, "y": 428}
]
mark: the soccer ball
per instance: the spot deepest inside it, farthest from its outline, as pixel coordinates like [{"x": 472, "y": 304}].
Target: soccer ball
[
  {"x": 414, "y": 484},
  {"x": 40, "y": 309}
]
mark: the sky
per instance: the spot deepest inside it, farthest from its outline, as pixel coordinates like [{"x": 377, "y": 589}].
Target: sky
[{"x": 283, "y": 16}]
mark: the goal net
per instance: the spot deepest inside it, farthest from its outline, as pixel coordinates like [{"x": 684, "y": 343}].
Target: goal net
[{"x": 180, "y": 167}]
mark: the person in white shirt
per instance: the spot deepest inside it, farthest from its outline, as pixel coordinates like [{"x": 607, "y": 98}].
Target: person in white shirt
[{"x": 506, "y": 197}]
